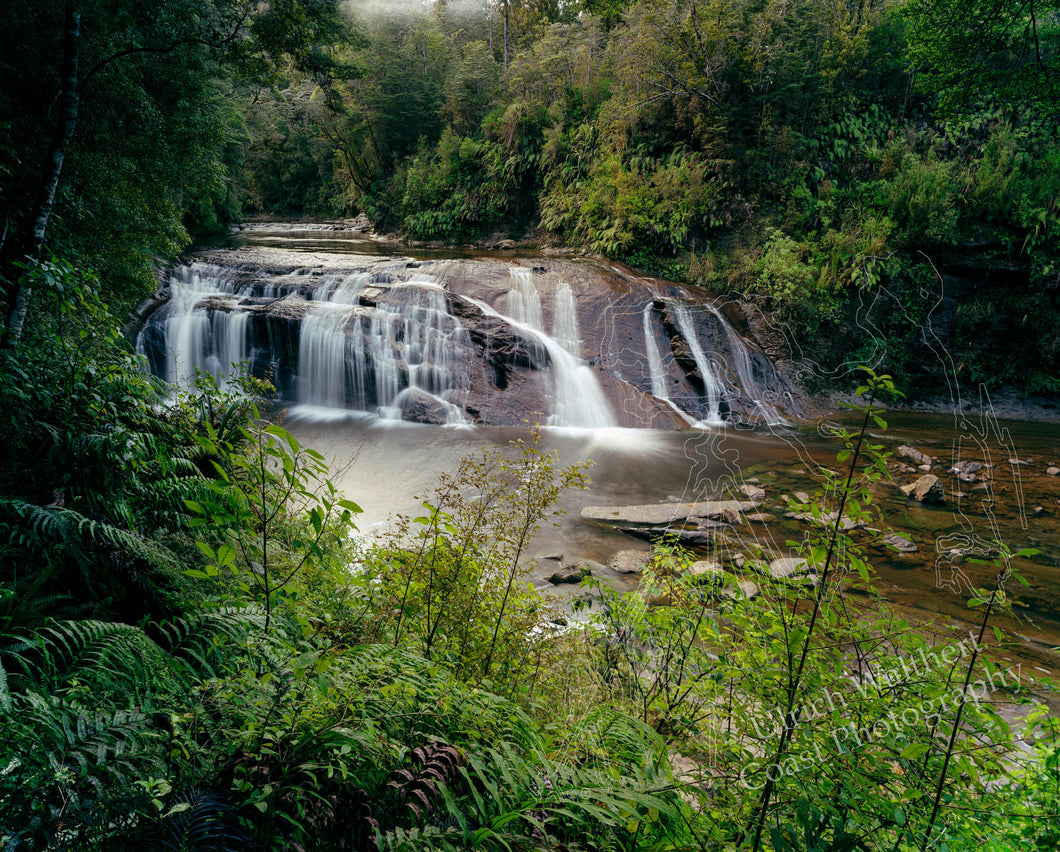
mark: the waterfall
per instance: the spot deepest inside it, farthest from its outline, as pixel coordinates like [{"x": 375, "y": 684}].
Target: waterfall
[
  {"x": 325, "y": 376},
  {"x": 578, "y": 400},
  {"x": 199, "y": 340},
  {"x": 380, "y": 359},
  {"x": 376, "y": 335},
  {"x": 323, "y": 372},
  {"x": 655, "y": 368},
  {"x": 744, "y": 371},
  {"x": 651, "y": 351},
  {"x": 711, "y": 385},
  {"x": 565, "y": 320},
  {"x": 524, "y": 303}
]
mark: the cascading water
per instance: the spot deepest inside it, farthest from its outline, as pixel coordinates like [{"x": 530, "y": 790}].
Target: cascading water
[
  {"x": 565, "y": 320},
  {"x": 199, "y": 340},
  {"x": 711, "y": 385},
  {"x": 372, "y": 335},
  {"x": 325, "y": 377},
  {"x": 651, "y": 352},
  {"x": 655, "y": 367},
  {"x": 741, "y": 361},
  {"x": 524, "y": 302},
  {"x": 578, "y": 400},
  {"x": 418, "y": 348},
  {"x": 353, "y": 358}
]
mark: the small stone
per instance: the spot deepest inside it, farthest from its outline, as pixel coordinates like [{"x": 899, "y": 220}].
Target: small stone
[
  {"x": 1039, "y": 511},
  {"x": 1018, "y": 461},
  {"x": 966, "y": 467},
  {"x": 752, "y": 492},
  {"x": 746, "y": 588},
  {"x": 788, "y": 566},
  {"x": 924, "y": 467},
  {"x": 760, "y": 517},
  {"x": 706, "y": 568},
  {"x": 1052, "y": 471}
]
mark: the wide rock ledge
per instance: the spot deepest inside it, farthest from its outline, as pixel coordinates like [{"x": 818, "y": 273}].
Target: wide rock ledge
[{"x": 661, "y": 514}]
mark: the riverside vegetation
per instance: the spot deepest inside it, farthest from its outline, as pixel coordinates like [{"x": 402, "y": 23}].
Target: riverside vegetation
[{"x": 197, "y": 652}]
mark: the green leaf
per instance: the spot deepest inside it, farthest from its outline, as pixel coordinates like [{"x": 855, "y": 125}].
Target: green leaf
[{"x": 914, "y": 751}]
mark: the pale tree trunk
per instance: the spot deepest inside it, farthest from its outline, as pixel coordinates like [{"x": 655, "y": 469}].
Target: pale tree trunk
[
  {"x": 42, "y": 210},
  {"x": 489, "y": 19},
  {"x": 505, "y": 35}
]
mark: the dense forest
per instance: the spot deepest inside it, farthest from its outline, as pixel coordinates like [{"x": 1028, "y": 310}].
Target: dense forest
[{"x": 197, "y": 649}]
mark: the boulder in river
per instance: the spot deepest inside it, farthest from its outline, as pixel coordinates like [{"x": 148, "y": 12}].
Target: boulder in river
[
  {"x": 630, "y": 561},
  {"x": 928, "y": 490},
  {"x": 571, "y": 571},
  {"x": 418, "y": 406}
]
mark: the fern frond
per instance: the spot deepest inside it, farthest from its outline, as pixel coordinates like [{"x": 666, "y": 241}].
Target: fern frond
[
  {"x": 50, "y": 524},
  {"x": 203, "y": 822},
  {"x": 108, "y": 657}
]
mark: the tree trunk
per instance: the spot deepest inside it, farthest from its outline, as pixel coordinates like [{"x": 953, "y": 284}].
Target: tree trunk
[
  {"x": 505, "y": 35},
  {"x": 20, "y": 293},
  {"x": 489, "y": 19}
]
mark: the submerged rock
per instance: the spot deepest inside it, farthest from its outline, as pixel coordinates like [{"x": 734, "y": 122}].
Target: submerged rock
[
  {"x": 900, "y": 543},
  {"x": 913, "y": 454},
  {"x": 661, "y": 514}
]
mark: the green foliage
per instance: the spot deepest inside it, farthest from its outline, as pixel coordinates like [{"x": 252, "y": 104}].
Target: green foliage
[
  {"x": 164, "y": 78},
  {"x": 455, "y": 576},
  {"x": 92, "y": 479},
  {"x": 1006, "y": 53},
  {"x": 813, "y": 720}
]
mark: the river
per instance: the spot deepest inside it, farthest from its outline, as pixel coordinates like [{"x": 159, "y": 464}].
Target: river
[{"x": 390, "y": 466}]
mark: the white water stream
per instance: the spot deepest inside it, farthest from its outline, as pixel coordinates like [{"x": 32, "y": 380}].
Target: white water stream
[{"x": 711, "y": 385}]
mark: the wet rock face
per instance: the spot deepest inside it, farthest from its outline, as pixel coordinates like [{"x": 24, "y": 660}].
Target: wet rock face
[{"x": 503, "y": 342}]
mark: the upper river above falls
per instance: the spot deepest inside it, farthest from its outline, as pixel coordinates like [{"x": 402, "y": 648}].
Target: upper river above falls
[{"x": 396, "y": 366}]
